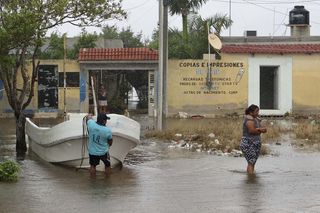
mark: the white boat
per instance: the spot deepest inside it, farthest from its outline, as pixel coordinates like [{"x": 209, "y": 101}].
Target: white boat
[{"x": 65, "y": 143}]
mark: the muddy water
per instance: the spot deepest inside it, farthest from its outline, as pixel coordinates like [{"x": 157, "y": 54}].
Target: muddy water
[{"x": 157, "y": 179}]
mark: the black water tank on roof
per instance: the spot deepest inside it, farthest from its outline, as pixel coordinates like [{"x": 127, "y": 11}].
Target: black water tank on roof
[{"x": 299, "y": 15}]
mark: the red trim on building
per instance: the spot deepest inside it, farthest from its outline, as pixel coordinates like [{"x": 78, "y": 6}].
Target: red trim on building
[
  {"x": 117, "y": 54},
  {"x": 271, "y": 48}
]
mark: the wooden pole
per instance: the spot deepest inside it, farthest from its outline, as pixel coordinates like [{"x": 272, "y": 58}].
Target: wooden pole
[{"x": 64, "y": 77}]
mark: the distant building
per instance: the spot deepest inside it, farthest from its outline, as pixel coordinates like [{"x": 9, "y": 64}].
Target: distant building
[
  {"x": 100, "y": 43},
  {"x": 107, "y": 65},
  {"x": 280, "y": 74}
]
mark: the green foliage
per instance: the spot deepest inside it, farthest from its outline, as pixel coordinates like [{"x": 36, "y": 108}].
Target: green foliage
[
  {"x": 198, "y": 34},
  {"x": 219, "y": 22},
  {"x": 9, "y": 171},
  {"x": 154, "y": 43},
  {"x": 178, "y": 49},
  {"x": 110, "y": 32},
  {"x": 117, "y": 102},
  {"x": 126, "y": 35},
  {"x": 178, "y": 7},
  {"x": 55, "y": 48},
  {"x": 86, "y": 40},
  {"x": 116, "y": 106},
  {"x": 23, "y": 26},
  {"x": 184, "y": 8},
  {"x": 130, "y": 39}
]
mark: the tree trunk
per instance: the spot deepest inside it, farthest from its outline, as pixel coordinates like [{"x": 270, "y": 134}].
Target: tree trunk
[
  {"x": 21, "y": 146},
  {"x": 185, "y": 28}
]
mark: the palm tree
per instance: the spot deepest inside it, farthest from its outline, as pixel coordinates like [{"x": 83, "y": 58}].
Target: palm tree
[
  {"x": 219, "y": 22},
  {"x": 184, "y": 7},
  {"x": 198, "y": 32}
]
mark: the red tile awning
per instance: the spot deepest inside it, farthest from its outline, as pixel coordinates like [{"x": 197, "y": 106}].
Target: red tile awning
[
  {"x": 271, "y": 48},
  {"x": 117, "y": 54}
]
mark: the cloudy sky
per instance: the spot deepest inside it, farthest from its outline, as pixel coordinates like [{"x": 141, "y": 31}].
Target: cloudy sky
[{"x": 267, "y": 17}]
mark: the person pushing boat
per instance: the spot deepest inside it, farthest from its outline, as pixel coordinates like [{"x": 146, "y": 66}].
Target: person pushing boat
[{"x": 100, "y": 140}]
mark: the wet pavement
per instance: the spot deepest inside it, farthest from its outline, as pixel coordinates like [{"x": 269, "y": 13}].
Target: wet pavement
[{"x": 158, "y": 179}]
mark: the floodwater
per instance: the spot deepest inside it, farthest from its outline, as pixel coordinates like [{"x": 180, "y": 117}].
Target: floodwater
[{"x": 155, "y": 178}]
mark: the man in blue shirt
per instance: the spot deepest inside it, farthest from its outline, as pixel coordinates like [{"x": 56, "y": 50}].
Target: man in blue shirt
[{"x": 100, "y": 140}]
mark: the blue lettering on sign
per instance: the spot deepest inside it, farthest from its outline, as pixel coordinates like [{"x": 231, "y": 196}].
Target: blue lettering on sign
[
  {"x": 1, "y": 90},
  {"x": 82, "y": 88}
]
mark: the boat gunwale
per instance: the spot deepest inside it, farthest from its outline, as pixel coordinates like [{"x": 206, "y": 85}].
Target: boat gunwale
[{"x": 56, "y": 142}]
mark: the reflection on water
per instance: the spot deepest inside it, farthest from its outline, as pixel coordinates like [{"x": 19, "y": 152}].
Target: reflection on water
[
  {"x": 253, "y": 193},
  {"x": 157, "y": 179},
  {"x": 252, "y": 179}
]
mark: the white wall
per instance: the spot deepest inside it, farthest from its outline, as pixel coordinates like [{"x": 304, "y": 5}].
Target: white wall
[{"x": 284, "y": 78}]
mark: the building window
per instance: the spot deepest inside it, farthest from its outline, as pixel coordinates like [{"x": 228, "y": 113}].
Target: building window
[{"x": 72, "y": 79}]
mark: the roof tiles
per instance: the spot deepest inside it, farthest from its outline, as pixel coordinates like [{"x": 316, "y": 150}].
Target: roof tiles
[
  {"x": 117, "y": 54},
  {"x": 271, "y": 48}
]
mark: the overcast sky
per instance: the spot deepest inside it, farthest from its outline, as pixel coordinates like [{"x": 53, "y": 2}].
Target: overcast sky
[{"x": 267, "y": 17}]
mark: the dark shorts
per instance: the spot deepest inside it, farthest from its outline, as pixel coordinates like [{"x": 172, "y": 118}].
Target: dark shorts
[
  {"x": 251, "y": 149},
  {"x": 94, "y": 160}
]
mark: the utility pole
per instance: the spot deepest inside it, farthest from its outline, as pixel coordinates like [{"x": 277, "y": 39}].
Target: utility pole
[
  {"x": 64, "y": 77},
  {"x": 163, "y": 62},
  {"x": 230, "y": 16}
]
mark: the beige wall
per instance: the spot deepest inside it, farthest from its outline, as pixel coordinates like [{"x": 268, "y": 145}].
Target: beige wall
[
  {"x": 187, "y": 90},
  {"x": 73, "y": 97},
  {"x": 72, "y": 93},
  {"x": 306, "y": 83}
]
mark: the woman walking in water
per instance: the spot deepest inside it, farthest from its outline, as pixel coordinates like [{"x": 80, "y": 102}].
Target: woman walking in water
[{"x": 250, "y": 143}]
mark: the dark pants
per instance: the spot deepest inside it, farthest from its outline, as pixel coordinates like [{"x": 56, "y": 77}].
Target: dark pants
[{"x": 94, "y": 160}]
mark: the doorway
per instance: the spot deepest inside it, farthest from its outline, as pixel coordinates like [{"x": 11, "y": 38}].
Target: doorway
[
  {"x": 270, "y": 84},
  {"x": 269, "y": 87},
  {"x": 125, "y": 90}
]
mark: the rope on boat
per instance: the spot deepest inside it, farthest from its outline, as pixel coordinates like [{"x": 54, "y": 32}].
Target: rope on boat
[
  {"x": 84, "y": 126},
  {"x": 84, "y": 140}
]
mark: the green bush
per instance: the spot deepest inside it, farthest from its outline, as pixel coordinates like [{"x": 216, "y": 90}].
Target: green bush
[
  {"x": 9, "y": 171},
  {"x": 116, "y": 106}
]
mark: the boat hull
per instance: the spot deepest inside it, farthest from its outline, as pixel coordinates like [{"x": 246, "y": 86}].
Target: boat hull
[{"x": 66, "y": 143}]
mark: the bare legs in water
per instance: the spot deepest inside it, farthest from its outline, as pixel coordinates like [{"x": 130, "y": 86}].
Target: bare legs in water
[
  {"x": 93, "y": 170},
  {"x": 250, "y": 169}
]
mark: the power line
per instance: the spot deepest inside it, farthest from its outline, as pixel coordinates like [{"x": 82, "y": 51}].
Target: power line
[
  {"x": 142, "y": 15},
  {"x": 139, "y": 5},
  {"x": 258, "y": 4},
  {"x": 282, "y": 22},
  {"x": 272, "y": 2},
  {"x": 285, "y": 2},
  {"x": 266, "y": 8}
]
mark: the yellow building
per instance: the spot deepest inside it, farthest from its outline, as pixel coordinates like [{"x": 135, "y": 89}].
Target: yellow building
[
  {"x": 49, "y": 91},
  {"x": 199, "y": 89},
  {"x": 281, "y": 77},
  {"x": 279, "y": 74},
  {"x": 105, "y": 65}
]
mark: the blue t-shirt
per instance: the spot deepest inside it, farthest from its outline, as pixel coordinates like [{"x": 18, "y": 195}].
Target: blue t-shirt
[{"x": 98, "y": 138}]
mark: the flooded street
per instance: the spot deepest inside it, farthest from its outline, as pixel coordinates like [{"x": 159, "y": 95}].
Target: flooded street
[{"x": 155, "y": 178}]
